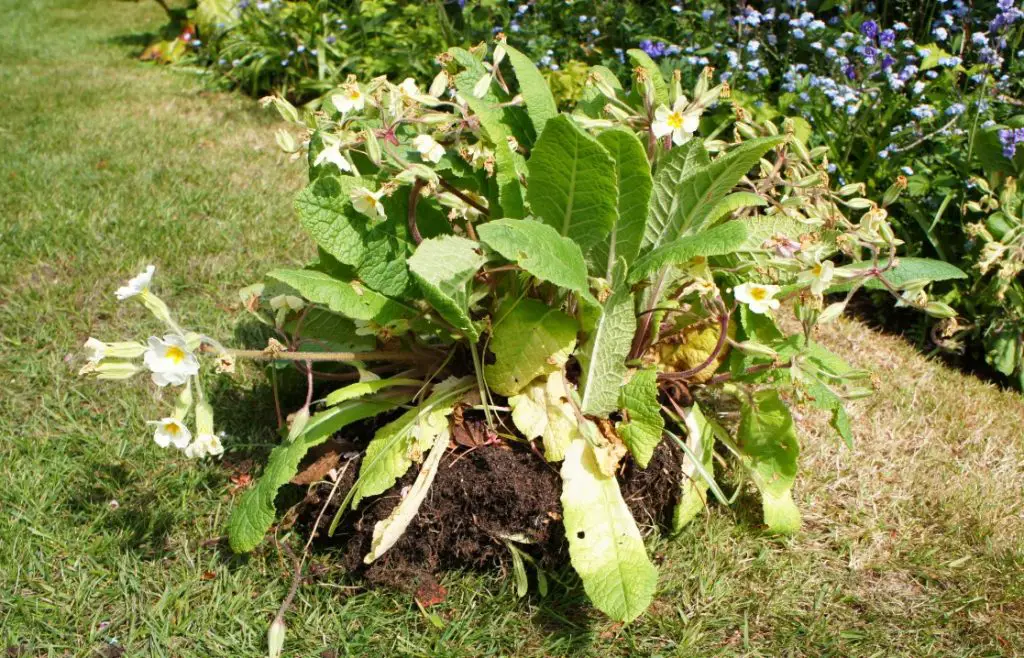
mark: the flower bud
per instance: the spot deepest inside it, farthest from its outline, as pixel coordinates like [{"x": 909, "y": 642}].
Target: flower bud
[
  {"x": 850, "y": 189},
  {"x": 939, "y": 310},
  {"x": 894, "y": 191},
  {"x": 831, "y": 312},
  {"x": 285, "y": 141},
  {"x": 439, "y": 84},
  {"x": 111, "y": 370},
  {"x": 283, "y": 107},
  {"x": 275, "y": 638},
  {"x": 752, "y": 348},
  {"x": 372, "y": 146}
]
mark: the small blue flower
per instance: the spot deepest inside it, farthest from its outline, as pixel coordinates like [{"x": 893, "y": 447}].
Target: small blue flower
[
  {"x": 798, "y": 33},
  {"x": 707, "y": 14},
  {"x": 887, "y": 38},
  {"x": 869, "y": 29},
  {"x": 331, "y": 39},
  {"x": 956, "y": 109},
  {"x": 940, "y": 33}
]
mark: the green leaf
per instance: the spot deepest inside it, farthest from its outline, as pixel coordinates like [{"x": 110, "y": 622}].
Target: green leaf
[
  {"x": 642, "y": 430},
  {"x": 572, "y": 183},
  {"x": 603, "y": 355},
  {"x": 349, "y": 299},
  {"x": 687, "y": 189},
  {"x": 818, "y": 376},
  {"x": 444, "y": 268},
  {"x": 700, "y": 442},
  {"x": 734, "y": 202},
  {"x": 762, "y": 229},
  {"x": 255, "y": 512},
  {"x": 543, "y": 411},
  {"x": 387, "y": 532},
  {"x": 404, "y": 440},
  {"x": 322, "y": 330},
  {"x": 540, "y": 104},
  {"x": 768, "y": 447},
  {"x": 639, "y": 58},
  {"x": 539, "y": 250},
  {"x": 906, "y": 269},
  {"x": 529, "y": 340},
  {"x": 362, "y": 389},
  {"x": 605, "y": 545},
  {"x": 592, "y": 101},
  {"x": 718, "y": 241},
  {"x": 634, "y": 183}
]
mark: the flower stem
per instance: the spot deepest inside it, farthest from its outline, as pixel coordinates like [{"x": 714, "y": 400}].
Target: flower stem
[{"x": 338, "y": 357}]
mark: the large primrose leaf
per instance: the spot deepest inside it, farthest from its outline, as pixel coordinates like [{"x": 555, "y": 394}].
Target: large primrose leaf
[
  {"x": 905, "y": 270},
  {"x": 603, "y": 355},
  {"x": 255, "y": 511},
  {"x": 572, "y": 183},
  {"x": 717, "y": 241},
  {"x": 351, "y": 299},
  {"x": 529, "y": 340},
  {"x": 768, "y": 447},
  {"x": 444, "y": 268},
  {"x": 644, "y": 424},
  {"x": 538, "y": 249},
  {"x": 540, "y": 104},
  {"x": 543, "y": 411},
  {"x": 605, "y": 545},
  {"x": 633, "y": 183},
  {"x": 687, "y": 189}
]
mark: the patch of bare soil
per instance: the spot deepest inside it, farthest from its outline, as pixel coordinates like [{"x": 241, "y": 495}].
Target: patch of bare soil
[{"x": 479, "y": 497}]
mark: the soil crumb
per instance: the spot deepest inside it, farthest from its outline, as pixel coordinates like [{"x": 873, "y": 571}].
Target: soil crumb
[{"x": 479, "y": 497}]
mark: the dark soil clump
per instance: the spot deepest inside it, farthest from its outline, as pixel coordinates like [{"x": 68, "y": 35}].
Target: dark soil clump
[{"x": 478, "y": 497}]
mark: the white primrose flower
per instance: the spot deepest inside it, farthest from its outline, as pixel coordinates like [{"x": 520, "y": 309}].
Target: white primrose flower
[
  {"x": 428, "y": 147},
  {"x": 681, "y": 125},
  {"x": 205, "y": 445},
  {"x": 368, "y": 202},
  {"x": 97, "y": 351},
  {"x": 350, "y": 98},
  {"x": 137, "y": 285},
  {"x": 171, "y": 431},
  {"x": 760, "y": 298},
  {"x": 170, "y": 360},
  {"x": 819, "y": 276},
  {"x": 408, "y": 88},
  {"x": 332, "y": 154}
]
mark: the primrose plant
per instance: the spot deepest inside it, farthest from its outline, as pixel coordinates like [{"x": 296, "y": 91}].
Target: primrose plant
[{"x": 587, "y": 285}]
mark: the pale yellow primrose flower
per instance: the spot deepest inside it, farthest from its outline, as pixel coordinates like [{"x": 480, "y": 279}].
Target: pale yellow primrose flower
[
  {"x": 408, "y": 88},
  {"x": 819, "y": 276},
  {"x": 367, "y": 202},
  {"x": 351, "y": 98},
  {"x": 332, "y": 154},
  {"x": 137, "y": 285},
  {"x": 170, "y": 360},
  {"x": 679, "y": 124},
  {"x": 171, "y": 431},
  {"x": 760, "y": 298},
  {"x": 291, "y": 302},
  {"x": 205, "y": 445},
  {"x": 428, "y": 147}
]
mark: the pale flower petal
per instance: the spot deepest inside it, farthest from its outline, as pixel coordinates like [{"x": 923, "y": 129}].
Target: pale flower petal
[{"x": 137, "y": 284}]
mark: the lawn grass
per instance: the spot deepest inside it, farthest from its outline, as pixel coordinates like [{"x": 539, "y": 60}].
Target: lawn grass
[{"x": 913, "y": 542}]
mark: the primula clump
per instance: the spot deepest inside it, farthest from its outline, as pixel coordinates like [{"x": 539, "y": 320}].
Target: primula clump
[{"x": 589, "y": 284}]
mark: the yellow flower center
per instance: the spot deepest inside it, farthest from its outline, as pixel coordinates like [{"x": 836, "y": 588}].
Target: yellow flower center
[
  {"x": 370, "y": 200},
  {"x": 175, "y": 354},
  {"x": 758, "y": 294},
  {"x": 675, "y": 120},
  {"x": 816, "y": 270},
  {"x": 172, "y": 428},
  {"x": 354, "y": 95}
]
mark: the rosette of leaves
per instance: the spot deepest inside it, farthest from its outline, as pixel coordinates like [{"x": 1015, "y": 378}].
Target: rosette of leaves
[{"x": 539, "y": 263}]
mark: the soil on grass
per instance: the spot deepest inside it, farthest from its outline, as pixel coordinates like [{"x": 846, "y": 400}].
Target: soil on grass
[{"x": 478, "y": 497}]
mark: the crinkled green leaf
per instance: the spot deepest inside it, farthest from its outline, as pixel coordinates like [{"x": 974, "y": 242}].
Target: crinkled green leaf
[
  {"x": 603, "y": 356},
  {"x": 362, "y": 389},
  {"x": 323, "y": 330},
  {"x": 718, "y": 241},
  {"x": 404, "y": 440},
  {"x": 633, "y": 183},
  {"x": 444, "y": 268},
  {"x": 768, "y": 447},
  {"x": 642, "y": 430},
  {"x": 820, "y": 378},
  {"x": 700, "y": 441},
  {"x": 540, "y": 104},
  {"x": 387, "y": 532},
  {"x": 538, "y": 249},
  {"x": 572, "y": 183},
  {"x": 543, "y": 411},
  {"x": 760, "y": 230},
  {"x": 734, "y": 202},
  {"x": 906, "y": 269},
  {"x": 255, "y": 512},
  {"x": 605, "y": 546},
  {"x": 687, "y": 188},
  {"x": 350, "y": 299},
  {"x": 529, "y": 340}
]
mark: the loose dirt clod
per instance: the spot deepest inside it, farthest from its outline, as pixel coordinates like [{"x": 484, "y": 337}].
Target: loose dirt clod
[{"x": 477, "y": 499}]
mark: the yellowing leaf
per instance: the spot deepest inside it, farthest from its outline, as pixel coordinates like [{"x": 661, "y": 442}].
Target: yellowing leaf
[
  {"x": 543, "y": 410},
  {"x": 642, "y": 430},
  {"x": 605, "y": 545},
  {"x": 529, "y": 340}
]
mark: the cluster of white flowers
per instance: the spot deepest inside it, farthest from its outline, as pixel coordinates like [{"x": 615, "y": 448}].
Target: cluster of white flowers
[{"x": 171, "y": 361}]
